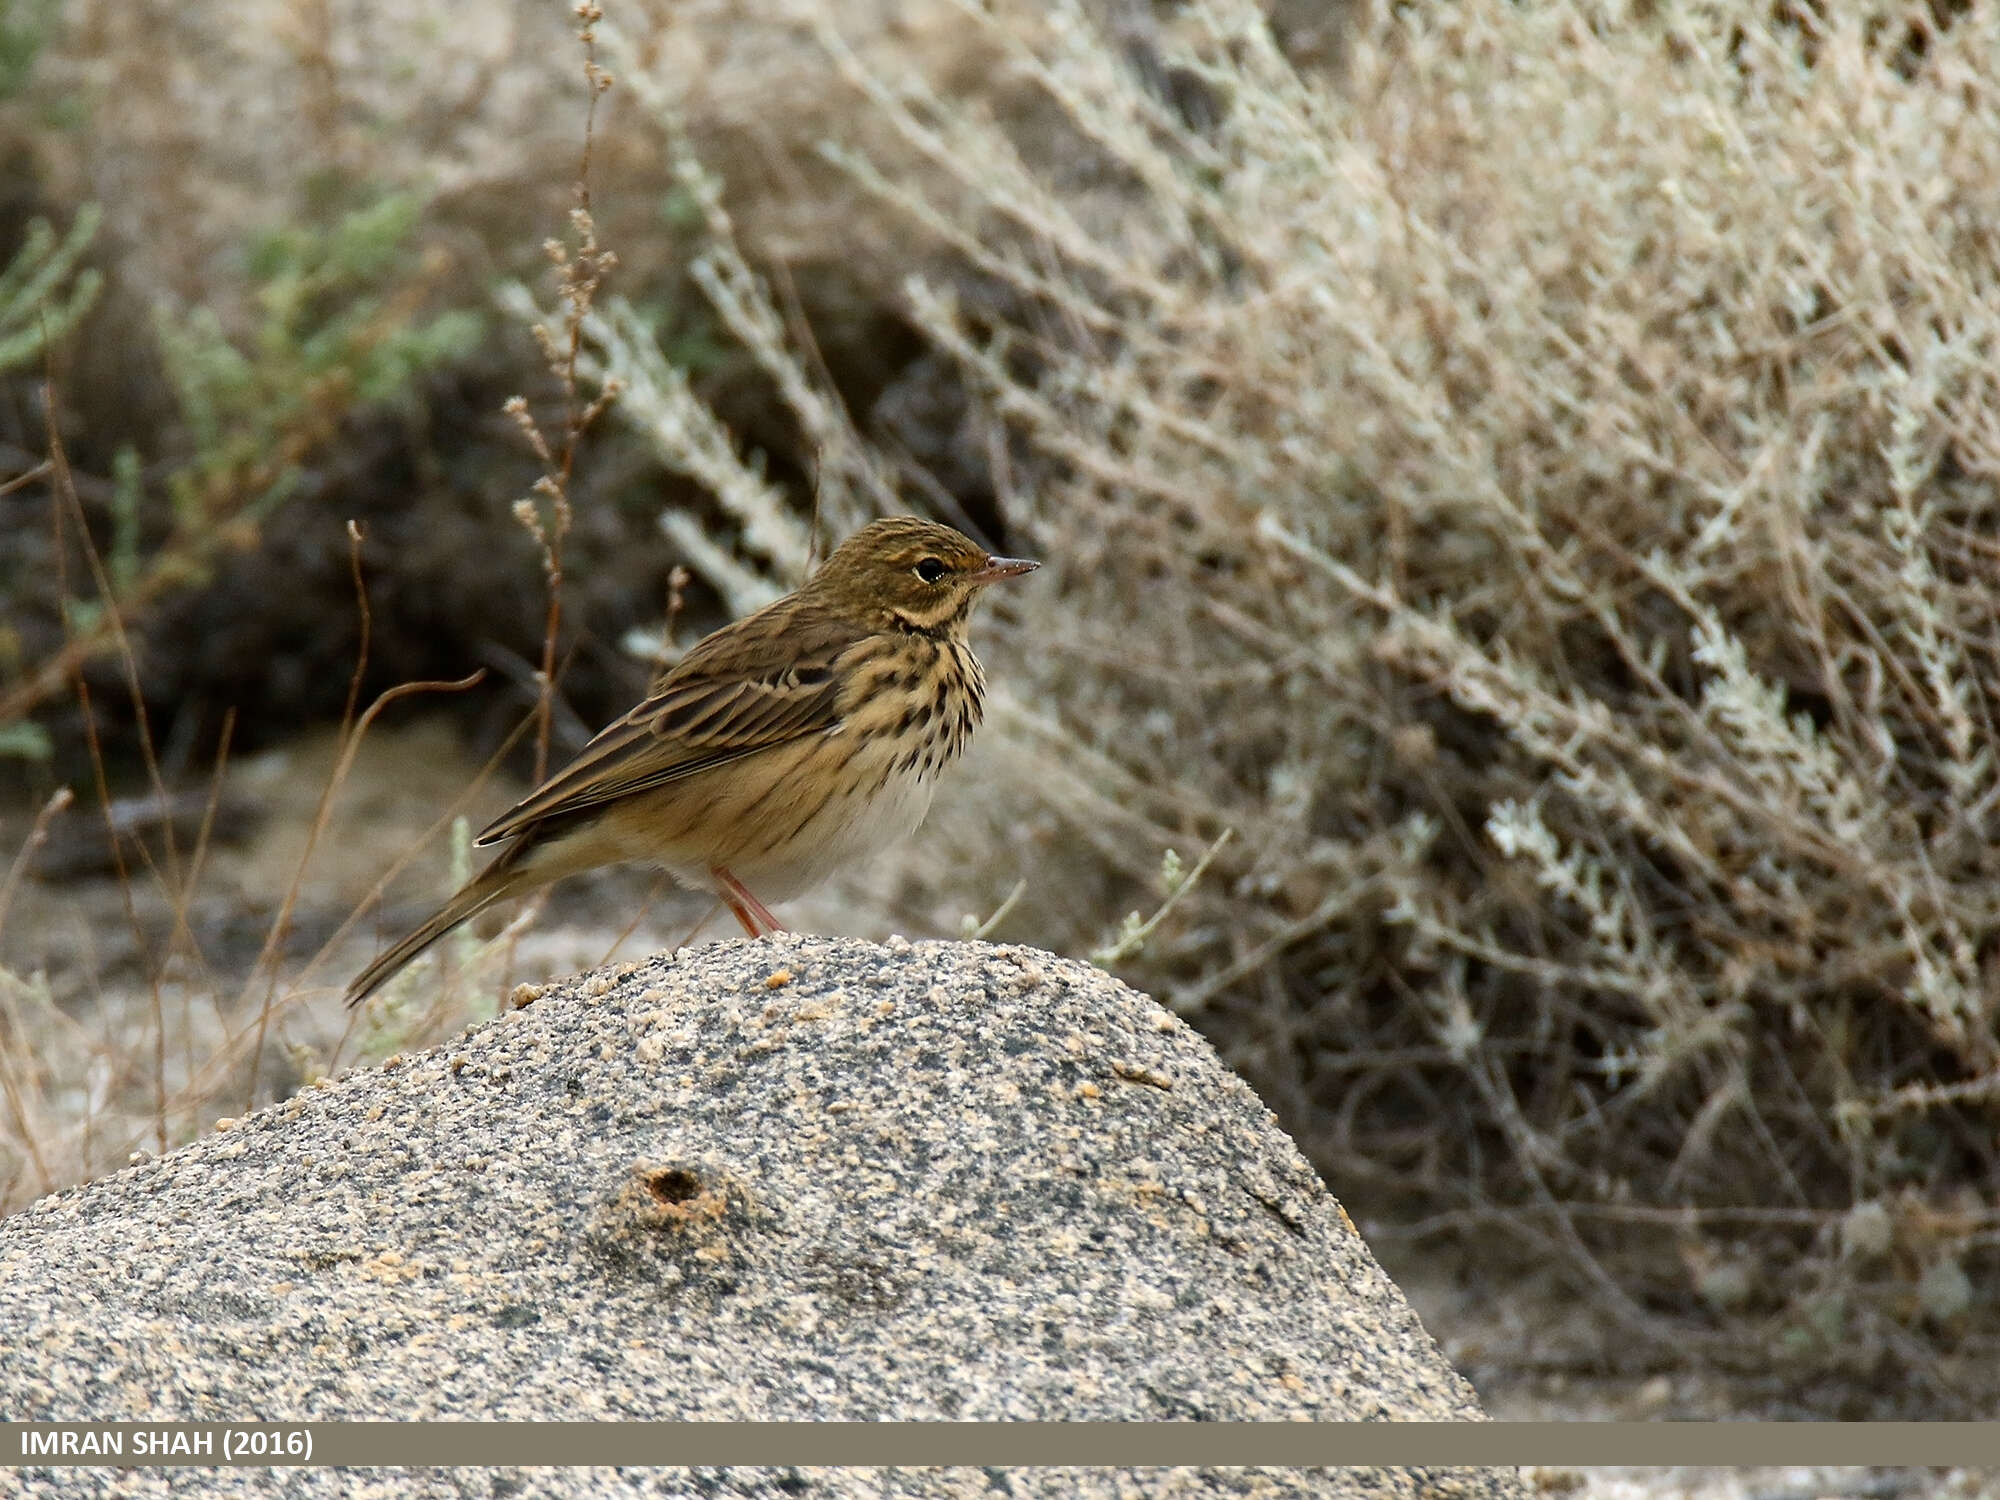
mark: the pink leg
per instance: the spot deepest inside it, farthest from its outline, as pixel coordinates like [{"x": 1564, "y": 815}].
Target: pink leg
[
  {"x": 736, "y": 896},
  {"x": 736, "y": 910}
]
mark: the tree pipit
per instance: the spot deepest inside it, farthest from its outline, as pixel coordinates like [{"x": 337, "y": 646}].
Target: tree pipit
[{"x": 800, "y": 739}]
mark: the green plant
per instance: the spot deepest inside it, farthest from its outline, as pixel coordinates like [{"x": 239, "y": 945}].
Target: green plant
[
  {"x": 1176, "y": 883},
  {"x": 24, "y": 27},
  {"x": 42, "y": 293},
  {"x": 340, "y": 325}
]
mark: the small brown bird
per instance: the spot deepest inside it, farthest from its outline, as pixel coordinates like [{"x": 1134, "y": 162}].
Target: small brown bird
[{"x": 797, "y": 740}]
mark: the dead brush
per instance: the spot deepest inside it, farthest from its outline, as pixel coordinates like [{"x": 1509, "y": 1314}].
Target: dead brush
[{"x": 1540, "y": 489}]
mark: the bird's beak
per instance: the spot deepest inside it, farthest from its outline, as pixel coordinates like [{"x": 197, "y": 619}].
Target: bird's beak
[{"x": 998, "y": 568}]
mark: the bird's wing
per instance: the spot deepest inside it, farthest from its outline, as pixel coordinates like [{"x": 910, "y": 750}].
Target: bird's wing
[{"x": 735, "y": 694}]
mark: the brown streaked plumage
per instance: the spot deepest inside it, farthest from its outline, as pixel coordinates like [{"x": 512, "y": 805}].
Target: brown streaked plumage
[{"x": 803, "y": 736}]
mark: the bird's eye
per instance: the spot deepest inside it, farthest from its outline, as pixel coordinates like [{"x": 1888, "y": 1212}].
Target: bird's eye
[{"x": 930, "y": 570}]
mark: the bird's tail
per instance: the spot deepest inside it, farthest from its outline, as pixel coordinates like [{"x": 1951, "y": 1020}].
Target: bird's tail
[{"x": 496, "y": 882}]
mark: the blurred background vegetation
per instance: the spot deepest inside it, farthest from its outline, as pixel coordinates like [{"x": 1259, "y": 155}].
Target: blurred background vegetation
[{"x": 1530, "y": 470}]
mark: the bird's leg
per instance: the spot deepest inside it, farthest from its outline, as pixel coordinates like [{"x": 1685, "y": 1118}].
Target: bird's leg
[
  {"x": 736, "y": 910},
  {"x": 746, "y": 907}
]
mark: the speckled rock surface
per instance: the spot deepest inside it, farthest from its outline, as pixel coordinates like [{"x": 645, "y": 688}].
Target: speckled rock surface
[{"x": 803, "y": 1178}]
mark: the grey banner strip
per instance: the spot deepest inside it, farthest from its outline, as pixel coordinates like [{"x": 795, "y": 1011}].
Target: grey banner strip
[{"x": 784, "y": 1444}]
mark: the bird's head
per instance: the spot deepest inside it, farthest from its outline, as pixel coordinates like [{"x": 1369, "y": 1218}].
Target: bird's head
[{"x": 911, "y": 574}]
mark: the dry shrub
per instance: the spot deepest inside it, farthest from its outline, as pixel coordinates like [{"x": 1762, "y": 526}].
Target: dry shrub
[{"x": 1539, "y": 491}]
